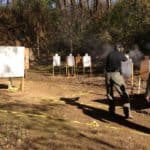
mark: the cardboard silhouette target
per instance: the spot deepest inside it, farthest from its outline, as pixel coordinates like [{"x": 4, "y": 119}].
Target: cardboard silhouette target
[
  {"x": 144, "y": 71},
  {"x": 78, "y": 62},
  {"x": 144, "y": 68},
  {"x": 87, "y": 63},
  {"x": 70, "y": 65},
  {"x": 56, "y": 62},
  {"x": 26, "y": 60},
  {"x": 127, "y": 68},
  {"x": 127, "y": 71}
]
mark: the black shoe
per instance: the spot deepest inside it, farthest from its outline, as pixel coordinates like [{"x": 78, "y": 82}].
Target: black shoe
[
  {"x": 129, "y": 117},
  {"x": 112, "y": 114},
  {"x": 126, "y": 112}
]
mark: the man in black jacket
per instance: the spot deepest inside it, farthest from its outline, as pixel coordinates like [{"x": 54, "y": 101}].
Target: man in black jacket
[{"x": 115, "y": 79}]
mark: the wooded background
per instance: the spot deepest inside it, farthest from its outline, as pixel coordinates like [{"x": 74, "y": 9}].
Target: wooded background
[{"x": 77, "y": 26}]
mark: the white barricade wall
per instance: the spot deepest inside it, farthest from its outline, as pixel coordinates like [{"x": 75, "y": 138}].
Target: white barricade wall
[{"x": 11, "y": 61}]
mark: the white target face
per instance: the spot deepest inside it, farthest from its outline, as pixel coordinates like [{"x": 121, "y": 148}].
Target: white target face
[
  {"x": 70, "y": 61},
  {"x": 56, "y": 60},
  {"x": 127, "y": 68},
  {"x": 86, "y": 61}
]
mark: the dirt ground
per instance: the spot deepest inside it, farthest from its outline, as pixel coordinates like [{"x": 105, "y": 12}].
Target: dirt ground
[{"x": 68, "y": 113}]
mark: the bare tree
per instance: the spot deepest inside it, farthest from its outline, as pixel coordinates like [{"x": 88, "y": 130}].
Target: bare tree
[
  {"x": 61, "y": 4},
  {"x": 108, "y": 3}
]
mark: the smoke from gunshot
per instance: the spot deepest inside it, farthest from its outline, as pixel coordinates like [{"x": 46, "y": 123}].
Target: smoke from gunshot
[
  {"x": 102, "y": 51},
  {"x": 136, "y": 55}
]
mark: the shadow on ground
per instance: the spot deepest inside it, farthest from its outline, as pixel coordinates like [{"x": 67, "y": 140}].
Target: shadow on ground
[
  {"x": 3, "y": 86},
  {"x": 103, "y": 115},
  {"x": 138, "y": 102}
]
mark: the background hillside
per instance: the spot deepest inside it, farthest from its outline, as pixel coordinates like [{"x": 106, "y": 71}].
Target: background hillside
[{"x": 49, "y": 26}]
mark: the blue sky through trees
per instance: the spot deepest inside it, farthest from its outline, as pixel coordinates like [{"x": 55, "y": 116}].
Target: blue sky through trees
[{"x": 5, "y": 2}]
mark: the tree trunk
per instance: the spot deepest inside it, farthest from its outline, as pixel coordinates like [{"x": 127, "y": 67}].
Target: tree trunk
[
  {"x": 95, "y": 5},
  {"x": 61, "y": 4},
  {"x": 108, "y": 3},
  {"x": 38, "y": 40},
  {"x": 80, "y": 4},
  {"x": 71, "y": 46}
]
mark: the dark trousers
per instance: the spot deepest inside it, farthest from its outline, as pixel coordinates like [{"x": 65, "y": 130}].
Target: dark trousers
[{"x": 116, "y": 80}]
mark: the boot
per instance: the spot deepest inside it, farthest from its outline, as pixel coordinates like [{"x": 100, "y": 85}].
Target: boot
[
  {"x": 127, "y": 113},
  {"x": 111, "y": 107}
]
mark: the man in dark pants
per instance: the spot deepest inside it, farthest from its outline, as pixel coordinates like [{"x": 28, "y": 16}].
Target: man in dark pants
[{"x": 115, "y": 79}]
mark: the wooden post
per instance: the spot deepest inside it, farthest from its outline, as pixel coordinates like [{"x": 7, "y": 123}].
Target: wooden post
[
  {"x": 84, "y": 70},
  {"x": 22, "y": 84},
  {"x": 59, "y": 70},
  {"x": 26, "y": 60},
  {"x": 74, "y": 71},
  {"x": 132, "y": 76},
  {"x": 91, "y": 70},
  {"x": 26, "y": 71},
  {"x": 139, "y": 85},
  {"x": 53, "y": 71},
  {"x": 10, "y": 83},
  {"x": 66, "y": 70},
  {"x": 132, "y": 80}
]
